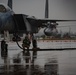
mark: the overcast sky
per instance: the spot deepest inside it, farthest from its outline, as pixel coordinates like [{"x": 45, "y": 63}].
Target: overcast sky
[{"x": 58, "y": 9}]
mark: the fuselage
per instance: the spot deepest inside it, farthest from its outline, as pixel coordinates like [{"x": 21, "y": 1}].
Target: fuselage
[{"x": 7, "y": 22}]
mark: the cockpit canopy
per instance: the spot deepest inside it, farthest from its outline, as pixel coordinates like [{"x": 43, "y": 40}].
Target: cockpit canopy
[{"x": 2, "y": 8}]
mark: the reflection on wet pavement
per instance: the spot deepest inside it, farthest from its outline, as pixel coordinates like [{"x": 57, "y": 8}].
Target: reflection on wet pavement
[{"x": 23, "y": 63}]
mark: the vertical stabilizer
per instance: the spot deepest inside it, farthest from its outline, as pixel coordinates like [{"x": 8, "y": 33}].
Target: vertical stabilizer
[
  {"x": 46, "y": 9},
  {"x": 10, "y": 3}
]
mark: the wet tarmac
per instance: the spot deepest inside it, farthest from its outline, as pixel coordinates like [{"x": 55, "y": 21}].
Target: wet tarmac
[
  {"x": 20, "y": 63},
  {"x": 15, "y": 62}
]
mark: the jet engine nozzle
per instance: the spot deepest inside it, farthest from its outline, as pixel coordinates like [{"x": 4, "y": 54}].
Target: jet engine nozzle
[{"x": 50, "y": 31}]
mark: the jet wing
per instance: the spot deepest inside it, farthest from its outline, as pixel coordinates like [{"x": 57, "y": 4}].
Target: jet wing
[
  {"x": 67, "y": 26},
  {"x": 41, "y": 22},
  {"x": 25, "y": 23},
  {"x": 51, "y": 20}
]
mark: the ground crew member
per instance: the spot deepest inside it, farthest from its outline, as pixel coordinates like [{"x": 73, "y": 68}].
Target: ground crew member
[
  {"x": 34, "y": 43},
  {"x": 3, "y": 45},
  {"x": 26, "y": 43},
  {"x": 34, "y": 48},
  {"x": 4, "y": 49}
]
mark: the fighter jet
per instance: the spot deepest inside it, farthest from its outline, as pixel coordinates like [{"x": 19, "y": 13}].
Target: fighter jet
[{"x": 22, "y": 23}]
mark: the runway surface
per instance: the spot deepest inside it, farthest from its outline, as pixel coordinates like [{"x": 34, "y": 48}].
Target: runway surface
[{"x": 66, "y": 59}]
